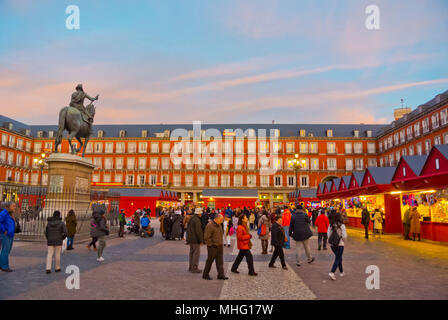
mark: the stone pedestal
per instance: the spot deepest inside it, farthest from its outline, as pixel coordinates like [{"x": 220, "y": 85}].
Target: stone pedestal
[{"x": 69, "y": 178}]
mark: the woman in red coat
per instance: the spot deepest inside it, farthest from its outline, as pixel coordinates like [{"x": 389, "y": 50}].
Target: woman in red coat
[{"x": 243, "y": 241}]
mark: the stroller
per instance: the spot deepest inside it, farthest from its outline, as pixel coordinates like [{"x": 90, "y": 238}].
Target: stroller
[{"x": 131, "y": 227}]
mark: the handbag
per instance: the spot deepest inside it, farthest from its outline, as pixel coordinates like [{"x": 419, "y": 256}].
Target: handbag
[
  {"x": 231, "y": 231},
  {"x": 262, "y": 230}
]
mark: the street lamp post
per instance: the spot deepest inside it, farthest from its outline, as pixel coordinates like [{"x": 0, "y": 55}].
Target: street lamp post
[
  {"x": 297, "y": 164},
  {"x": 41, "y": 163}
]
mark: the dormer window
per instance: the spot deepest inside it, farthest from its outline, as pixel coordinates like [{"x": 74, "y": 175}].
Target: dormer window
[
  {"x": 28, "y": 132},
  {"x": 122, "y": 133},
  {"x": 100, "y": 133},
  {"x": 144, "y": 133},
  {"x": 369, "y": 133},
  {"x": 302, "y": 133},
  {"x": 329, "y": 133},
  {"x": 40, "y": 134},
  {"x": 50, "y": 134},
  {"x": 356, "y": 133},
  {"x": 9, "y": 125}
]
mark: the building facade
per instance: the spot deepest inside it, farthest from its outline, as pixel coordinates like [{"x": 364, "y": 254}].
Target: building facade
[{"x": 191, "y": 158}]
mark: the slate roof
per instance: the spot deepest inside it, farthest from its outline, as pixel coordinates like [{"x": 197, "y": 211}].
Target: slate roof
[
  {"x": 346, "y": 180},
  {"x": 230, "y": 193},
  {"x": 321, "y": 187},
  {"x": 416, "y": 163},
  {"x": 328, "y": 184},
  {"x": 286, "y": 130},
  {"x": 130, "y": 192},
  {"x": 443, "y": 148},
  {"x": 359, "y": 176},
  {"x": 382, "y": 175},
  {"x": 337, "y": 182}
]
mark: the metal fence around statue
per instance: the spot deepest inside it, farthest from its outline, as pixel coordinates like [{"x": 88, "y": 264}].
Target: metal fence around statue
[{"x": 36, "y": 204}]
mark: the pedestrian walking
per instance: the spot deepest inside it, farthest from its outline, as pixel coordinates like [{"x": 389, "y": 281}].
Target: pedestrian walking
[
  {"x": 177, "y": 225},
  {"x": 365, "y": 220},
  {"x": 228, "y": 215},
  {"x": 244, "y": 245},
  {"x": 264, "y": 225},
  {"x": 55, "y": 232},
  {"x": 286, "y": 220},
  {"x": 337, "y": 234},
  {"x": 251, "y": 220},
  {"x": 92, "y": 234},
  {"x": 407, "y": 224},
  {"x": 101, "y": 231},
  {"x": 168, "y": 224},
  {"x": 122, "y": 222},
  {"x": 300, "y": 231},
  {"x": 7, "y": 231},
  {"x": 213, "y": 238},
  {"x": 377, "y": 223},
  {"x": 278, "y": 238},
  {"x": 415, "y": 223},
  {"x": 322, "y": 224},
  {"x": 71, "y": 223},
  {"x": 195, "y": 237}
]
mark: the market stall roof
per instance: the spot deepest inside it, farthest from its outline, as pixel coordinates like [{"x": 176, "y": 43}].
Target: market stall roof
[
  {"x": 140, "y": 192},
  {"x": 320, "y": 188},
  {"x": 309, "y": 194},
  {"x": 335, "y": 185},
  {"x": 434, "y": 174},
  {"x": 377, "y": 180},
  {"x": 354, "y": 188},
  {"x": 409, "y": 168},
  {"x": 229, "y": 193}
]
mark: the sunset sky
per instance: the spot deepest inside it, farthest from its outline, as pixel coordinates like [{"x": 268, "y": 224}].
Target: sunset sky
[{"x": 222, "y": 61}]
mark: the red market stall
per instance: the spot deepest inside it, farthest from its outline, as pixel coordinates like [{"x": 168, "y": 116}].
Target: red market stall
[
  {"x": 235, "y": 198},
  {"x": 132, "y": 199},
  {"x": 306, "y": 197}
]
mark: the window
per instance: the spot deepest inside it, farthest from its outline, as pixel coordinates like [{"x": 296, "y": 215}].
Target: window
[
  {"x": 278, "y": 181},
  {"x": 141, "y": 179},
  {"x": 26, "y": 162},
  {"x": 381, "y": 162},
  {"x": 17, "y": 176},
  {"x": 177, "y": 180},
  {"x": 155, "y": 163},
  {"x": 3, "y": 156},
  {"x": 331, "y": 164},
  {"x": 389, "y": 142},
  {"x": 380, "y": 145},
  {"x": 425, "y": 125},
  {"x": 329, "y": 133},
  {"x": 37, "y": 147},
  {"x": 98, "y": 147},
  {"x": 189, "y": 180},
  {"x": 372, "y": 162},
  {"x": 251, "y": 180},
  {"x": 304, "y": 181},
  {"x": 302, "y": 133},
  {"x": 417, "y": 129},
  {"x": 225, "y": 180},
  {"x": 144, "y": 133},
  {"x": 12, "y": 141},
  {"x": 290, "y": 147},
  {"x": 228, "y": 147},
  {"x": 130, "y": 163},
  {"x": 314, "y": 163},
  {"x": 20, "y": 144},
  {"x": 98, "y": 162},
  {"x": 238, "y": 180},
  {"x": 239, "y": 162},
  {"x": 120, "y": 147},
  {"x": 276, "y": 147},
  {"x": 119, "y": 163},
  {"x": 26, "y": 178},
  {"x": 349, "y": 164},
  {"x": 130, "y": 179},
  {"x": 427, "y": 146},
  {"x": 419, "y": 149},
  {"x": 291, "y": 181},
  {"x": 4, "y": 139},
  {"x": 142, "y": 163},
  {"x": 278, "y": 163},
  {"x": 201, "y": 180},
  {"x": 397, "y": 156},
  {"x": 108, "y": 163},
  {"x": 165, "y": 179},
  {"x": 96, "y": 178},
  {"x": 239, "y": 147},
  {"x": 264, "y": 181},
  {"x": 348, "y": 147},
  {"x": 356, "y": 133},
  {"x": 437, "y": 140},
  {"x": 226, "y": 163},
  {"x": 19, "y": 160},
  {"x": 358, "y": 147},
  {"x": 165, "y": 163},
  {"x": 142, "y": 147},
  {"x": 303, "y": 147},
  {"x": 106, "y": 178},
  {"x": 371, "y": 147},
  {"x": 165, "y": 147},
  {"x": 435, "y": 120},
  {"x": 369, "y": 133},
  {"x": 359, "y": 164},
  {"x": 396, "y": 139},
  {"x": 409, "y": 132},
  {"x": 404, "y": 152},
  {"x": 109, "y": 147},
  {"x": 251, "y": 147},
  {"x": 132, "y": 147},
  {"x": 28, "y": 146},
  {"x": 118, "y": 178},
  {"x": 213, "y": 180},
  {"x": 313, "y": 147},
  {"x": 122, "y": 133},
  {"x": 100, "y": 133},
  {"x": 264, "y": 163},
  {"x": 251, "y": 163},
  {"x": 443, "y": 117},
  {"x": 445, "y": 138},
  {"x": 263, "y": 147},
  {"x": 411, "y": 150},
  {"x": 402, "y": 136},
  {"x": 177, "y": 163},
  {"x": 331, "y": 147}
]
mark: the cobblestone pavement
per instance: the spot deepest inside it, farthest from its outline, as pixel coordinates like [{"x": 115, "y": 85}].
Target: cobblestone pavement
[{"x": 137, "y": 268}]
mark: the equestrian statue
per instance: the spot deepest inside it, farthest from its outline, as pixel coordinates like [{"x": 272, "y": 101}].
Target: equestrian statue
[{"x": 77, "y": 120}]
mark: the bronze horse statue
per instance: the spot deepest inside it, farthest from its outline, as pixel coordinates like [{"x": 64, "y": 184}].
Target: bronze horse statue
[{"x": 70, "y": 119}]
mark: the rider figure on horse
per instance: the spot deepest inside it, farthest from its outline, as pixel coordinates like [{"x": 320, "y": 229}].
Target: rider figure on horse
[{"x": 77, "y": 102}]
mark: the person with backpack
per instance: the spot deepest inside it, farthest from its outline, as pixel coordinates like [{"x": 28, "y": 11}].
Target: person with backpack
[
  {"x": 55, "y": 232},
  {"x": 365, "y": 220},
  {"x": 337, "y": 234},
  {"x": 264, "y": 225},
  {"x": 300, "y": 231}
]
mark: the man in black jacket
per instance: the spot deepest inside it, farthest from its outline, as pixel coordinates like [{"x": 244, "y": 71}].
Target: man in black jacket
[
  {"x": 300, "y": 231},
  {"x": 365, "y": 220},
  {"x": 195, "y": 237},
  {"x": 101, "y": 231},
  {"x": 278, "y": 240}
]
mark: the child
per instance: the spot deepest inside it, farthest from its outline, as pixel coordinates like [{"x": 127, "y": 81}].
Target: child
[{"x": 278, "y": 240}]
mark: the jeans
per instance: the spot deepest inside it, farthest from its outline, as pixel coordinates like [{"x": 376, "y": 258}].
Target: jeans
[
  {"x": 56, "y": 251},
  {"x": 93, "y": 242},
  {"x": 306, "y": 246},
  {"x": 287, "y": 244},
  {"x": 102, "y": 245},
  {"x": 70, "y": 241},
  {"x": 278, "y": 252},
  {"x": 7, "y": 242},
  {"x": 249, "y": 259},
  {"x": 322, "y": 237},
  {"x": 338, "y": 251}
]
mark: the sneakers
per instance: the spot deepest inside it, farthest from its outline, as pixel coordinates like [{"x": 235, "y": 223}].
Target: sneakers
[
  {"x": 332, "y": 276},
  {"x": 100, "y": 259},
  {"x": 342, "y": 274}
]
